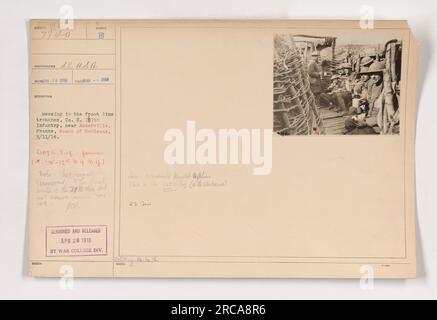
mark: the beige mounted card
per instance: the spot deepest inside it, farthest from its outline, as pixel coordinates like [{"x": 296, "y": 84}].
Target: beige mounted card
[{"x": 255, "y": 148}]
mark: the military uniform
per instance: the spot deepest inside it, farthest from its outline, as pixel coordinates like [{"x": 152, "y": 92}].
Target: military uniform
[
  {"x": 314, "y": 72},
  {"x": 374, "y": 90}
]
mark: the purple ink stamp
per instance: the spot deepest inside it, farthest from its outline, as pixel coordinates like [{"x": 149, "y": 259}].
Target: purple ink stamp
[{"x": 76, "y": 241}]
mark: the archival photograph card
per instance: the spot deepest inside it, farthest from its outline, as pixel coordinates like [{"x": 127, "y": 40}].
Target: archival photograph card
[{"x": 222, "y": 148}]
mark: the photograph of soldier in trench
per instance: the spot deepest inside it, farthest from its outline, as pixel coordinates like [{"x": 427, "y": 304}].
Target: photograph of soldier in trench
[{"x": 336, "y": 85}]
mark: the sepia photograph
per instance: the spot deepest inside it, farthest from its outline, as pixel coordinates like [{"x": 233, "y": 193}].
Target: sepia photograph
[{"x": 346, "y": 84}]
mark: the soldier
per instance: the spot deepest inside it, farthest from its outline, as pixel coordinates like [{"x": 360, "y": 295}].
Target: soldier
[
  {"x": 361, "y": 88},
  {"x": 348, "y": 76},
  {"x": 347, "y": 68},
  {"x": 376, "y": 85},
  {"x": 371, "y": 91},
  {"x": 341, "y": 98},
  {"x": 324, "y": 98},
  {"x": 315, "y": 73},
  {"x": 356, "y": 127},
  {"x": 326, "y": 75}
]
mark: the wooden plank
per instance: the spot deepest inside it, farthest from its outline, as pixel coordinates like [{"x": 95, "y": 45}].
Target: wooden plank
[{"x": 333, "y": 121}]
